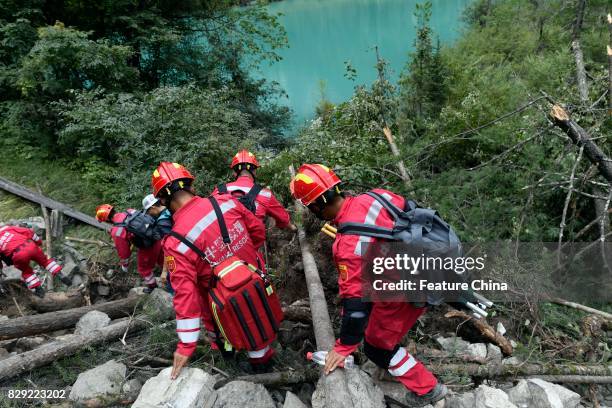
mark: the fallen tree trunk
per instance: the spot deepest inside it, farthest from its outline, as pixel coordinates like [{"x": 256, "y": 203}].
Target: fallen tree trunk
[
  {"x": 54, "y": 301},
  {"x": 67, "y": 346},
  {"x": 29, "y": 195},
  {"x": 521, "y": 370},
  {"x": 63, "y": 319},
  {"x": 485, "y": 329},
  {"x": 580, "y": 137},
  {"x": 575, "y": 379},
  {"x": 275, "y": 379},
  {"x": 336, "y": 387}
]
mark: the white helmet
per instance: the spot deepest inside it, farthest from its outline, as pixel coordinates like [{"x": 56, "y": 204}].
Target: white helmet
[{"x": 149, "y": 201}]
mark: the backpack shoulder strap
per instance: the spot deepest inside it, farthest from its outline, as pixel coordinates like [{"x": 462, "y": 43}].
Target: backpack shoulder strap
[
  {"x": 221, "y": 220},
  {"x": 190, "y": 244},
  {"x": 254, "y": 191},
  {"x": 222, "y": 188},
  {"x": 388, "y": 205},
  {"x": 356, "y": 228}
]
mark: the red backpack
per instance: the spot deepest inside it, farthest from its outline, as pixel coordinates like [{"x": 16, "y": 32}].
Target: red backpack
[{"x": 243, "y": 302}]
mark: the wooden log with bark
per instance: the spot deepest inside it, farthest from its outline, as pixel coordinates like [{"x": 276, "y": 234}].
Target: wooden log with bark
[
  {"x": 521, "y": 370},
  {"x": 336, "y": 387},
  {"x": 485, "y": 329},
  {"x": 66, "y": 346},
  {"x": 54, "y": 301},
  {"x": 275, "y": 379},
  {"x": 580, "y": 137},
  {"x": 63, "y": 319}
]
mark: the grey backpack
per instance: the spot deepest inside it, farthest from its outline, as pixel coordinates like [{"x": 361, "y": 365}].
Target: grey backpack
[{"x": 422, "y": 228}]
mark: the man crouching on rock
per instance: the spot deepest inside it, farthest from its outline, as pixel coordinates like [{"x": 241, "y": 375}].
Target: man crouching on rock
[
  {"x": 383, "y": 324},
  {"x": 195, "y": 221}
]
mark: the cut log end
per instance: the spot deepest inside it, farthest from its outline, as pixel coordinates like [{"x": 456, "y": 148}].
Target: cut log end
[{"x": 559, "y": 114}]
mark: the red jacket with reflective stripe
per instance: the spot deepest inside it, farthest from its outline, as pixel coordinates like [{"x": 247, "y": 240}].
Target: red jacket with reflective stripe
[
  {"x": 121, "y": 237},
  {"x": 190, "y": 274},
  {"x": 12, "y": 237},
  {"x": 347, "y": 248},
  {"x": 266, "y": 203}
]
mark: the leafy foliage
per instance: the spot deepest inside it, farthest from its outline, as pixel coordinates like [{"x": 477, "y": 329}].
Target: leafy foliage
[{"x": 119, "y": 138}]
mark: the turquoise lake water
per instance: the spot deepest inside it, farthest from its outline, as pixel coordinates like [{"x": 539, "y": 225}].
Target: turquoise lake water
[{"x": 323, "y": 34}]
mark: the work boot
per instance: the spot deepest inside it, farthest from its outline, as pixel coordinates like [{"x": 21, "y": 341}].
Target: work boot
[
  {"x": 39, "y": 291},
  {"x": 433, "y": 396},
  {"x": 150, "y": 288},
  {"x": 66, "y": 280}
]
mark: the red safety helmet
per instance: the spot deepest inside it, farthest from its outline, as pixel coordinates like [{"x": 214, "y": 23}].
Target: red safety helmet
[
  {"x": 312, "y": 181},
  {"x": 103, "y": 212},
  {"x": 244, "y": 157},
  {"x": 166, "y": 173}
]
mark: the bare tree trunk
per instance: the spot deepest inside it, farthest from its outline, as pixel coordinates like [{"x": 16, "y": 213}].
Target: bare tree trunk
[
  {"x": 67, "y": 346},
  {"x": 336, "y": 387},
  {"x": 578, "y": 56},
  {"x": 610, "y": 66},
  {"x": 580, "y": 137},
  {"x": 63, "y": 319},
  {"x": 485, "y": 329}
]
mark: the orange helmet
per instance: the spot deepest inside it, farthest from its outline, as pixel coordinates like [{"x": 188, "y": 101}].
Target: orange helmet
[
  {"x": 103, "y": 212},
  {"x": 166, "y": 173},
  {"x": 244, "y": 157},
  {"x": 312, "y": 181}
]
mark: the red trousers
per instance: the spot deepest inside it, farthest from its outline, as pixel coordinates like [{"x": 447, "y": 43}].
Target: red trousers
[
  {"x": 148, "y": 258},
  {"x": 388, "y": 324},
  {"x": 28, "y": 252}
]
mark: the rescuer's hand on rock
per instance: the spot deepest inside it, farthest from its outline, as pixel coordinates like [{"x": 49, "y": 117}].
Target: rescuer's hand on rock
[
  {"x": 180, "y": 361},
  {"x": 332, "y": 360}
]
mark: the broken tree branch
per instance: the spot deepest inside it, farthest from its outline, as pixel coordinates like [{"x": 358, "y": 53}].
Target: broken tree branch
[
  {"x": 578, "y": 306},
  {"x": 485, "y": 329},
  {"x": 580, "y": 137},
  {"x": 89, "y": 241}
]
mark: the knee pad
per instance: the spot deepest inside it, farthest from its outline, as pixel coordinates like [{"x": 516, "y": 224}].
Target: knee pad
[{"x": 380, "y": 357}]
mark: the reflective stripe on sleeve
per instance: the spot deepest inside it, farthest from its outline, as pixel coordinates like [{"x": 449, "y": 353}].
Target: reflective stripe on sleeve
[
  {"x": 119, "y": 231},
  {"x": 370, "y": 219},
  {"x": 189, "y": 337},
  {"x": 188, "y": 324}
]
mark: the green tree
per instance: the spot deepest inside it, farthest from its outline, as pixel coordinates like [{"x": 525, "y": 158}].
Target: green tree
[{"x": 423, "y": 81}]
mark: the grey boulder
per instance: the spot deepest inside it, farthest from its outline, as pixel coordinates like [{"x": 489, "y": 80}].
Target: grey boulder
[
  {"x": 91, "y": 321},
  {"x": 243, "y": 394},
  {"x": 192, "y": 389},
  {"x": 101, "y": 381}
]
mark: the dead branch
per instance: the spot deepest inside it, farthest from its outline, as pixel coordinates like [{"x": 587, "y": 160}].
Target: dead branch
[
  {"x": 580, "y": 137},
  {"x": 485, "y": 329},
  {"x": 578, "y": 306},
  {"x": 567, "y": 201},
  {"x": 88, "y": 241}
]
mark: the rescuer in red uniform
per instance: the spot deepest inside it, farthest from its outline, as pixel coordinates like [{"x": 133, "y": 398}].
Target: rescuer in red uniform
[
  {"x": 19, "y": 246},
  {"x": 245, "y": 165},
  {"x": 382, "y": 324},
  {"x": 194, "y": 218},
  {"x": 147, "y": 258}
]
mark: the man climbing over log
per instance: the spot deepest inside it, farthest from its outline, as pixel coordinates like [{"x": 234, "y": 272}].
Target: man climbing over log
[
  {"x": 194, "y": 248},
  {"x": 129, "y": 228},
  {"x": 19, "y": 246},
  {"x": 259, "y": 200},
  {"x": 383, "y": 324}
]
